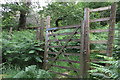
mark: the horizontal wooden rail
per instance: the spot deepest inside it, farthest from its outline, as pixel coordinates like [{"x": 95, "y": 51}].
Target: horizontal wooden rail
[
  {"x": 73, "y": 54},
  {"x": 63, "y": 27},
  {"x": 98, "y": 51},
  {"x": 66, "y": 33},
  {"x": 64, "y": 40},
  {"x": 99, "y": 42},
  {"x": 62, "y": 74},
  {"x": 100, "y": 9},
  {"x": 100, "y": 19},
  {"x": 97, "y": 60},
  {"x": 65, "y": 60},
  {"x": 63, "y": 67},
  {"x": 99, "y": 30},
  {"x": 76, "y": 47}
]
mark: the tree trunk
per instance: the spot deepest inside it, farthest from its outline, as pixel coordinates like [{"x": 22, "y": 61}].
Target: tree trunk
[
  {"x": 23, "y": 14},
  {"x": 22, "y": 20}
]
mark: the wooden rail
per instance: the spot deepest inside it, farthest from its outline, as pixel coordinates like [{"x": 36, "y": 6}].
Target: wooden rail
[
  {"x": 64, "y": 27},
  {"x": 100, "y": 9},
  {"x": 99, "y": 30},
  {"x": 65, "y": 60},
  {"x": 101, "y": 19},
  {"x": 76, "y": 47},
  {"x": 66, "y": 33},
  {"x": 72, "y": 54},
  {"x": 54, "y": 40}
]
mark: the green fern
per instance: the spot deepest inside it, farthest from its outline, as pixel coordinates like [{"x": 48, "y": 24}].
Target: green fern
[
  {"x": 102, "y": 72},
  {"x": 32, "y": 72}
]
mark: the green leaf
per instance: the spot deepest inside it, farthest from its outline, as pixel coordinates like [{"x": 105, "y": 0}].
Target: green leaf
[
  {"x": 27, "y": 59},
  {"x": 38, "y": 59},
  {"x": 32, "y": 51}
]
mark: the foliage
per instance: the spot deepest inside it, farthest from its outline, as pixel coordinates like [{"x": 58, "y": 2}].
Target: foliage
[
  {"x": 101, "y": 72},
  {"x": 32, "y": 72},
  {"x": 10, "y": 13},
  {"x": 71, "y": 13},
  {"x": 21, "y": 48}
]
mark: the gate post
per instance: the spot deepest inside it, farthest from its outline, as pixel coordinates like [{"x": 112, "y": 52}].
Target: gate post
[
  {"x": 46, "y": 43},
  {"x": 111, "y": 30},
  {"x": 85, "y": 52}
]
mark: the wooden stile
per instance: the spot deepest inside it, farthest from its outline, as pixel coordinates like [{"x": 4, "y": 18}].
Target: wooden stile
[{"x": 51, "y": 57}]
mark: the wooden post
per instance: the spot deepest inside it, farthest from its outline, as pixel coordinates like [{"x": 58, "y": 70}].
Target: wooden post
[
  {"x": 40, "y": 31},
  {"x": 46, "y": 43},
  {"x": 85, "y": 52},
  {"x": 82, "y": 52},
  {"x": 111, "y": 30}
]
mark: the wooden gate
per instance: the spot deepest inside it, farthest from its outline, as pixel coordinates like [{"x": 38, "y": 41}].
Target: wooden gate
[{"x": 59, "y": 49}]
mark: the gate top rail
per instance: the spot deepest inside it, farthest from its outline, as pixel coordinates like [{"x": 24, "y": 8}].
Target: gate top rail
[
  {"x": 100, "y": 9},
  {"x": 63, "y": 27}
]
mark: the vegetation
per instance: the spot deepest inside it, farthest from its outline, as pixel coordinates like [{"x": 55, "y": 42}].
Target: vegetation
[{"x": 22, "y": 53}]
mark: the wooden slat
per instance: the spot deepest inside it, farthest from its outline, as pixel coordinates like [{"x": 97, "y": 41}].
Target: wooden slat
[
  {"x": 76, "y": 47},
  {"x": 73, "y": 54},
  {"x": 63, "y": 27},
  {"x": 63, "y": 67},
  {"x": 66, "y": 33},
  {"x": 97, "y": 51},
  {"x": 99, "y": 30},
  {"x": 100, "y": 9},
  {"x": 64, "y": 40},
  {"x": 65, "y": 60},
  {"x": 97, "y": 60},
  {"x": 99, "y": 42},
  {"x": 100, "y": 19},
  {"x": 61, "y": 74}
]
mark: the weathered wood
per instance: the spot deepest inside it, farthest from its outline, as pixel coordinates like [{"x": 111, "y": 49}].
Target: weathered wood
[
  {"x": 66, "y": 33},
  {"x": 62, "y": 74},
  {"x": 99, "y": 30},
  {"x": 65, "y": 56},
  {"x": 85, "y": 53},
  {"x": 63, "y": 27},
  {"x": 111, "y": 30},
  {"x": 76, "y": 47},
  {"x": 60, "y": 51},
  {"x": 42, "y": 30},
  {"x": 63, "y": 60},
  {"x": 46, "y": 44},
  {"x": 98, "y": 51},
  {"x": 63, "y": 40},
  {"x": 99, "y": 42},
  {"x": 100, "y": 9},
  {"x": 63, "y": 67},
  {"x": 101, "y": 19},
  {"x": 72, "y": 54},
  {"x": 82, "y": 50}
]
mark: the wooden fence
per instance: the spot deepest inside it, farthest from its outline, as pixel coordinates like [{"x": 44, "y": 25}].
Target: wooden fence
[{"x": 79, "y": 35}]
